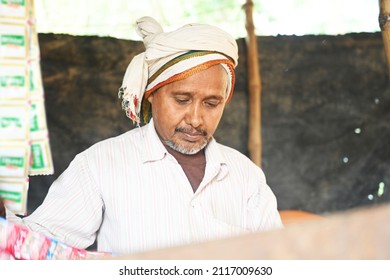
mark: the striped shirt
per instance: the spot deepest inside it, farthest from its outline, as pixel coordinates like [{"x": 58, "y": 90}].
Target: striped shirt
[{"x": 131, "y": 195}]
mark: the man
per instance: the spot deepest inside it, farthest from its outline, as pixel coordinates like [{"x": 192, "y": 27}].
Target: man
[{"x": 166, "y": 183}]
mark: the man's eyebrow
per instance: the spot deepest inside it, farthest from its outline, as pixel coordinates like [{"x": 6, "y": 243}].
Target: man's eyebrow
[
  {"x": 189, "y": 94},
  {"x": 219, "y": 97},
  {"x": 181, "y": 93}
]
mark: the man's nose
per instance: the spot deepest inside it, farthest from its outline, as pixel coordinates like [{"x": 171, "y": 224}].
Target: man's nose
[{"x": 195, "y": 115}]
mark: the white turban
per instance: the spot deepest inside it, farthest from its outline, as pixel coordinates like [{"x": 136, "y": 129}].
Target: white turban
[{"x": 172, "y": 56}]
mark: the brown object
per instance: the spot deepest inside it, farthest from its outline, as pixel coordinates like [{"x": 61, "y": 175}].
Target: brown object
[
  {"x": 293, "y": 216},
  {"x": 356, "y": 234},
  {"x": 254, "y": 86},
  {"x": 384, "y": 23},
  {"x": 2, "y": 208}
]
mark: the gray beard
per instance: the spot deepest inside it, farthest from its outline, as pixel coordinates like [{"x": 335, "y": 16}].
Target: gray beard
[{"x": 183, "y": 150}]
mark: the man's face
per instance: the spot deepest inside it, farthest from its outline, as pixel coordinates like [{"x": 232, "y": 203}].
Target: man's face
[{"x": 186, "y": 113}]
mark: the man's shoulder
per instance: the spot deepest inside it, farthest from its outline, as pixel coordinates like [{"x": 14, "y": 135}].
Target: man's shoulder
[
  {"x": 232, "y": 154},
  {"x": 128, "y": 138},
  {"x": 239, "y": 163}
]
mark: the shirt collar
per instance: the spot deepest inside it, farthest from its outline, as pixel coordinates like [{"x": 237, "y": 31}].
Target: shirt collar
[
  {"x": 214, "y": 154},
  {"x": 155, "y": 150},
  {"x": 216, "y": 162}
]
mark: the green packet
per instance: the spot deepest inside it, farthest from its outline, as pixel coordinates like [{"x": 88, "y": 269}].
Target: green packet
[
  {"x": 15, "y": 9},
  {"x": 14, "y": 121},
  {"x": 41, "y": 162},
  {"x": 14, "y": 193},
  {"x": 14, "y": 160},
  {"x": 37, "y": 116},
  {"x": 13, "y": 41},
  {"x": 14, "y": 81}
]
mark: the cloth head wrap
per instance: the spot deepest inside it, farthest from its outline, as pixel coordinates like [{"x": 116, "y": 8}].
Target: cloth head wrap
[{"x": 172, "y": 56}]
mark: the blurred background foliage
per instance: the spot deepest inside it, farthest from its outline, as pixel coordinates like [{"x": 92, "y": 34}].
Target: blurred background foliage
[{"x": 116, "y": 18}]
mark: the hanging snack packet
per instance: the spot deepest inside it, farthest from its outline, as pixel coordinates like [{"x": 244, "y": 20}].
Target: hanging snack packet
[{"x": 20, "y": 243}]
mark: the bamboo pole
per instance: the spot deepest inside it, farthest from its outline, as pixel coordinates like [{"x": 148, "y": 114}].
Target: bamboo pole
[
  {"x": 254, "y": 87},
  {"x": 384, "y": 23}
]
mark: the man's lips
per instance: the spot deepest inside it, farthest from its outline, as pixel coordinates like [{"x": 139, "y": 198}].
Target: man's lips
[{"x": 192, "y": 135}]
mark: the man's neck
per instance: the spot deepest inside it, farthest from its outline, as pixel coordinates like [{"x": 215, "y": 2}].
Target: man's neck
[
  {"x": 192, "y": 165},
  {"x": 181, "y": 157}
]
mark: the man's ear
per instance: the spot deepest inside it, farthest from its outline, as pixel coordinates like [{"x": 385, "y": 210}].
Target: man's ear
[{"x": 150, "y": 98}]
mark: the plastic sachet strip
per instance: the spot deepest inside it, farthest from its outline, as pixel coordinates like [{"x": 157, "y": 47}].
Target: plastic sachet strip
[{"x": 20, "y": 243}]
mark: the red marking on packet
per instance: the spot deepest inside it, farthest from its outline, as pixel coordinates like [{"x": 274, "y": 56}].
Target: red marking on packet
[
  {"x": 12, "y": 236},
  {"x": 18, "y": 243},
  {"x": 11, "y": 167},
  {"x": 44, "y": 249},
  {"x": 53, "y": 245},
  {"x": 35, "y": 247},
  {"x": 5, "y": 255},
  {"x": 81, "y": 254}
]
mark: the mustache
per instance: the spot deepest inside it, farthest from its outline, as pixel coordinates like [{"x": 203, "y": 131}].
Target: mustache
[{"x": 191, "y": 130}]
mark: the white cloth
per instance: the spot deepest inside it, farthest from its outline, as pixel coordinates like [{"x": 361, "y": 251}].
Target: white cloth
[
  {"x": 137, "y": 197},
  {"x": 162, "y": 47}
]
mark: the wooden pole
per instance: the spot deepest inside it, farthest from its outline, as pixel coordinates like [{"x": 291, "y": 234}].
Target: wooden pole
[
  {"x": 384, "y": 23},
  {"x": 254, "y": 87}
]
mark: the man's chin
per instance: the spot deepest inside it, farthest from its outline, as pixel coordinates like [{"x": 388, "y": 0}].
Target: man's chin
[{"x": 188, "y": 149}]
